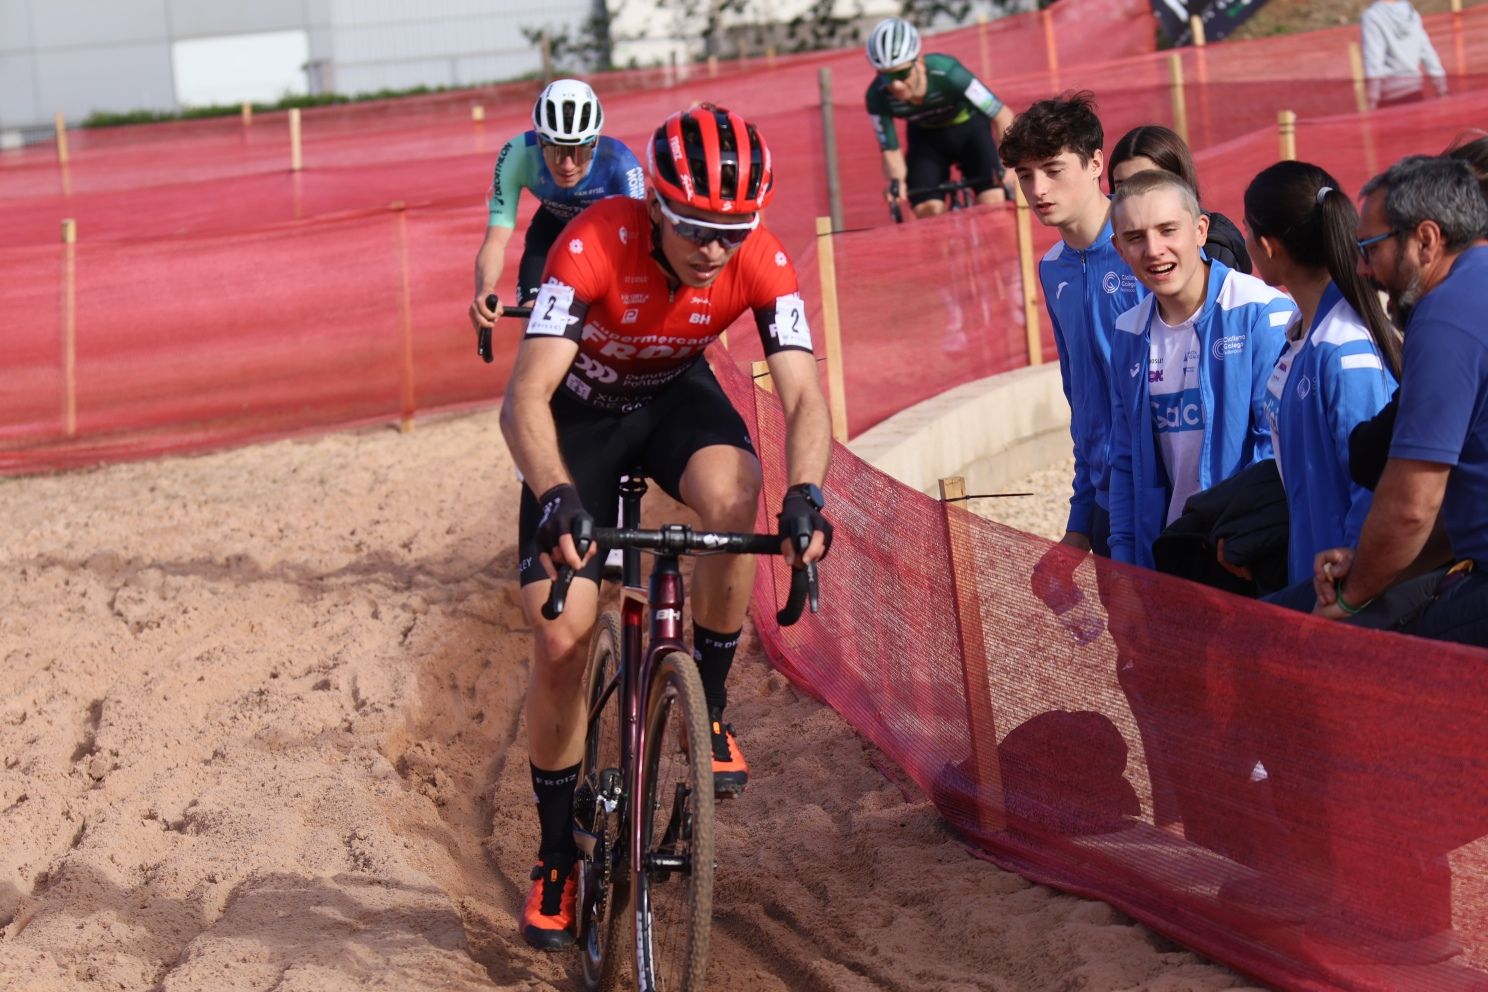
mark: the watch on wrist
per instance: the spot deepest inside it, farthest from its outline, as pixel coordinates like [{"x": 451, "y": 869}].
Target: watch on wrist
[{"x": 812, "y": 493}]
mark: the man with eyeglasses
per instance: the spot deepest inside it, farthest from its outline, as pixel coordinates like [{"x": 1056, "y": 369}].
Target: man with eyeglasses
[
  {"x": 567, "y": 164},
  {"x": 611, "y": 375},
  {"x": 946, "y": 109},
  {"x": 1421, "y": 239}
]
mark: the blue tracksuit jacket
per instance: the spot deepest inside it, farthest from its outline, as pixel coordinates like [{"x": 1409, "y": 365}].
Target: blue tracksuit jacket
[
  {"x": 1241, "y": 329},
  {"x": 1321, "y": 388},
  {"x": 1085, "y": 292}
]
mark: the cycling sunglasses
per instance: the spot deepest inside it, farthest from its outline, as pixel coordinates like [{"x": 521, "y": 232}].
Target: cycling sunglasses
[
  {"x": 579, "y": 153},
  {"x": 898, "y": 75},
  {"x": 702, "y": 232}
]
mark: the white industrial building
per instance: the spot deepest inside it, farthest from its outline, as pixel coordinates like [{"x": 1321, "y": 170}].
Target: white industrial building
[{"x": 80, "y": 56}]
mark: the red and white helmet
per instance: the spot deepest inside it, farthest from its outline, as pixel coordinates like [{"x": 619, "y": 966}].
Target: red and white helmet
[{"x": 712, "y": 159}]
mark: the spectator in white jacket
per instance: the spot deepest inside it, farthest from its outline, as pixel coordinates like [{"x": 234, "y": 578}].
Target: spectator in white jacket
[{"x": 1396, "y": 51}]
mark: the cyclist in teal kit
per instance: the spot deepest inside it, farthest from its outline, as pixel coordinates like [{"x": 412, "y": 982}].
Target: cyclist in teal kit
[{"x": 567, "y": 165}]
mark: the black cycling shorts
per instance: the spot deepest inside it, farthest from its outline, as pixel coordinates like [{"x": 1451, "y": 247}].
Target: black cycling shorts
[
  {"x": 932, "y": 151},
  {"x": 660, "y": 438},
  {"x": 541, "y": 233}
]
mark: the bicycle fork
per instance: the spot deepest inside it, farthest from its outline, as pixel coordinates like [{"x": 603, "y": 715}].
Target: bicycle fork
[{"x": 666, "y": 601}]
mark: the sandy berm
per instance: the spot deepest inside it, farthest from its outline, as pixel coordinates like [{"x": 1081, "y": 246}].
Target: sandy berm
[{"x": 261, "y": 729}]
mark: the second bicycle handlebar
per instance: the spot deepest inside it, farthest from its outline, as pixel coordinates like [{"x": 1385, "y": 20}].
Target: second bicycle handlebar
[
  {"x": 483, "y": 336},
  {"x": 680, "y": 539}
]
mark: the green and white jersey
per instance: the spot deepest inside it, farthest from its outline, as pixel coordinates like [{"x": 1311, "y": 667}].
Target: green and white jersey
[{"x": 952, "y": 95}]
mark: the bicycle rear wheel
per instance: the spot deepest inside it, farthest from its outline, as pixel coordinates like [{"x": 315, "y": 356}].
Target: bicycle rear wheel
[
  {"x": 599, "y": 809},
  {"x": 674, "y": 884}
]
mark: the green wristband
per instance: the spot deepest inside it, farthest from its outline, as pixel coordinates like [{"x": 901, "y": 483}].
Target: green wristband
[{"x": 1345, "y": 605}]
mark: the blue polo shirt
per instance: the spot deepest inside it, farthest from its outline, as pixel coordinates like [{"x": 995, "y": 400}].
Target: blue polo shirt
[{"x": 1444, "y": 398}]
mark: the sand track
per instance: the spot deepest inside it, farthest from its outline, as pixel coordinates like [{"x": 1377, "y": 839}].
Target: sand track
[{"x": 262, "y": 730}]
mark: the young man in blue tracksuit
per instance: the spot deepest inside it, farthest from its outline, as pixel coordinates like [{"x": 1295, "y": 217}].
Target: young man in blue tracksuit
[
  {"x": 1189, "y": 365},
  {"x": 1054, "y": 148}
]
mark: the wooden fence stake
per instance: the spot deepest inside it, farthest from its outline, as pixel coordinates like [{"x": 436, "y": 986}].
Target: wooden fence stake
[
  {"x": 247, "y": 112},
  {"x": 1459, "y": 56},
  {"x": 1286, "y": 127},
  {"x": 1356, "y": 69},
  {"x": 826, "y": 265},
  {"x": 63, "y": 157},
  {"x": 981, "y": 19},
  {"x": 829, "y": 144},
  {"x": 296, "y": 158},
  {"x": 985, "y": 769},
  {"x": 1180, "y": 104},
  {"x": 1361, "y": 104},
  {"x": 1196, "y": 28},
  {"x": 1029, "y": 279},
  {"x": 69, "y": 326},
  {"x": 1051, "y": 47},
  {"x": 405, "y": 314}
]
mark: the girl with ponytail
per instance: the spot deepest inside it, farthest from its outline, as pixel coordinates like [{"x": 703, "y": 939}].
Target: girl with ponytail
[{"x": 1342, "y": 356}]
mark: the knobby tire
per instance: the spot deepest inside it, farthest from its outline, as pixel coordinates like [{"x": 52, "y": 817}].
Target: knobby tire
[
  {"x": 604, "y": 945},
  {"x": 674, "y": 909}
]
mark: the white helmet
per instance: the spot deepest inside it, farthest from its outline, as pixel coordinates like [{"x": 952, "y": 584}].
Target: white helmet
[
  {"x": 893, "y": 42},
  {"x": 567, "y": 113}
]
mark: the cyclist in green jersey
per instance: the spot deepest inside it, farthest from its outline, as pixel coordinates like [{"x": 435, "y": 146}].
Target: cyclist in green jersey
[{"x": 946, "y": 109}]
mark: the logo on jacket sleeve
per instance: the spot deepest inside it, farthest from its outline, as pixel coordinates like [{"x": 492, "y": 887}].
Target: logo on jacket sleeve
[{"x": 576, "y": 246}]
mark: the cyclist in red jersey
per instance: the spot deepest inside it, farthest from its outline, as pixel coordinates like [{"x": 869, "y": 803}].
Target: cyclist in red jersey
[{"x": 610, "y": 375}]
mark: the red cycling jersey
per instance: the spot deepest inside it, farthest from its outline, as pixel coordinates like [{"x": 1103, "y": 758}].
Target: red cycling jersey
[{"x": 604, "y": 289}]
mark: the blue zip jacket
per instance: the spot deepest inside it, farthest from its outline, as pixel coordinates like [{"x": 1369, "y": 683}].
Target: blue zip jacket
[
  {"x": 1321, "y": 388},
  {"x": 1241, "y": 329},
  {"x": 1085, "y": 292}
]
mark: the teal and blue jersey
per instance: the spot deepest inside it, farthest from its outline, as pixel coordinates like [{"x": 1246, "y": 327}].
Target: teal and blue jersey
[
  {"x": 613, "y": 171},
  {"x": 1326, "y": 382},
  {"x": 1241, "y": 329},
  {"x": 1085, "y": 291}
]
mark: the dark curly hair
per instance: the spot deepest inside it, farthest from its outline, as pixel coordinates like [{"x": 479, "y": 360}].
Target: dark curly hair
[{"x": 1050, "y": 127}]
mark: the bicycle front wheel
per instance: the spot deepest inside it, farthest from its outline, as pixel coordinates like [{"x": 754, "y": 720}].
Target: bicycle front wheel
[{"x": 673, "y": 888}]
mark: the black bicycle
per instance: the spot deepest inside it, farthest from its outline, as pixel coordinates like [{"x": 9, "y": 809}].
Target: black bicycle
[
  {"x": 957, "y": 192},
  {"x": 643, "y": 807}
]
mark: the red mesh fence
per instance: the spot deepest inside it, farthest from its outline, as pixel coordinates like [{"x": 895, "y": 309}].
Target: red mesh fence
[
  {"x": 1294, "y": 798},
  {"x": 213, "y": 290}
]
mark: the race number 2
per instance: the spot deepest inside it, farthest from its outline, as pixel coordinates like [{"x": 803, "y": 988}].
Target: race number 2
[
  {"x": 790, "y": 329},
  {"x": 550, "y": 311}
]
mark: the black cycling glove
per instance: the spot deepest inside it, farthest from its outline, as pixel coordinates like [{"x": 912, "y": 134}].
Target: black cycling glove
[
  {"x": 560, "y": 508},
  {"x": 800, "y": 513}
]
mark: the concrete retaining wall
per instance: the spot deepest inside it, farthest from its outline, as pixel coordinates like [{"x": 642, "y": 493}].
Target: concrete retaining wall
[{"x": 992, "y": 431}]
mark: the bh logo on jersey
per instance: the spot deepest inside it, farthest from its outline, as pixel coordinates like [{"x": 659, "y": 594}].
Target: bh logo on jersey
[{"x": 1177, "y": 412}]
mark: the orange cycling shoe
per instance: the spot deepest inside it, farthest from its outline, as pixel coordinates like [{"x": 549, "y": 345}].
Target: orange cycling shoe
[
  {"x": 730, "y": 770},
  {"x": 548, "y": 918}
]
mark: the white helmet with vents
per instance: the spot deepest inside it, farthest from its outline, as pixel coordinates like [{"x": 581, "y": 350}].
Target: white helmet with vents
[
  {"x": 893, "y": 42},
  {"x": 567, "y": 113}
]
